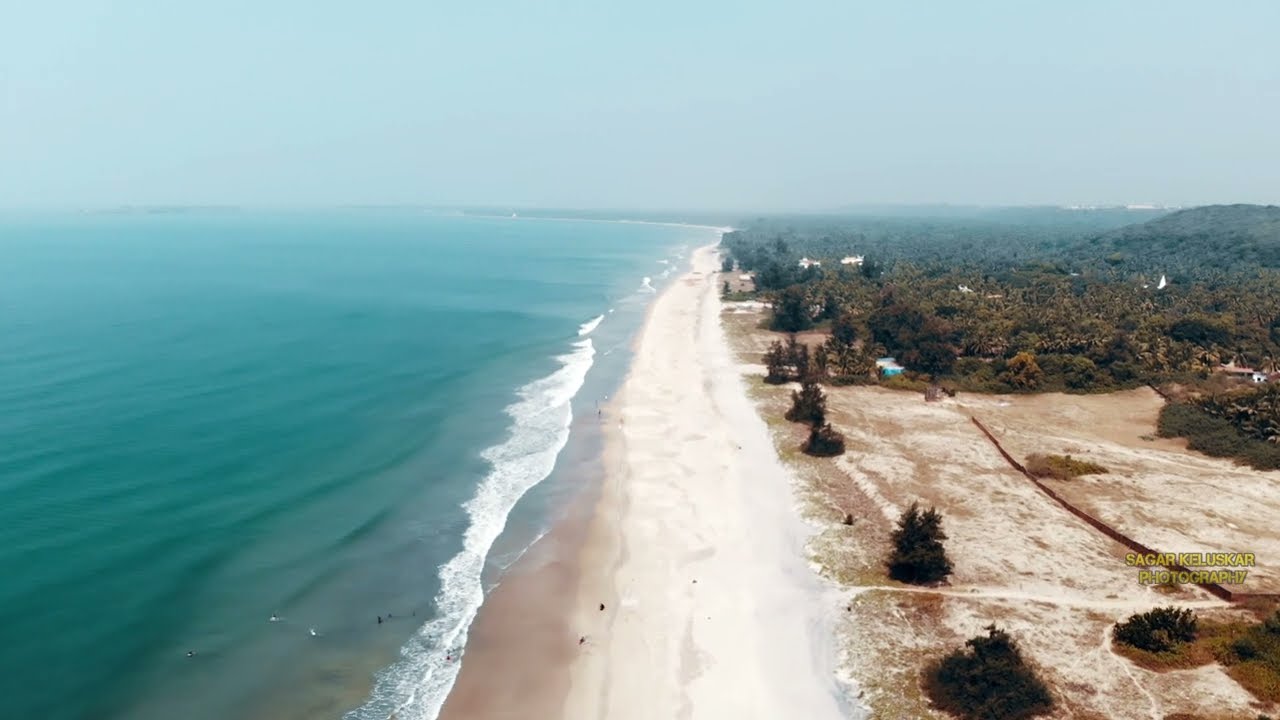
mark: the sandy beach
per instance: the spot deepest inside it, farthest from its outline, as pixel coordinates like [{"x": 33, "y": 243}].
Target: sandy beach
[
  {"x": 695, "y": 546},
  {"x": 711, "y": 609}
]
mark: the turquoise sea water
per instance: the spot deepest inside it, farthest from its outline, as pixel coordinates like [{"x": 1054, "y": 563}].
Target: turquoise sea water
[{"x": 210, "y": 418}]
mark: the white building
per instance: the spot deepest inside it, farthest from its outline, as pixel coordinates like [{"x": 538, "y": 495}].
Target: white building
[
  {"x": 806, "y": 263},
  {"x": 851, "y": 260}
]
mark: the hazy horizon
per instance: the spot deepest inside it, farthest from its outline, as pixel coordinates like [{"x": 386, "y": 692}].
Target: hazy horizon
[{"x": 815, "y": 107}]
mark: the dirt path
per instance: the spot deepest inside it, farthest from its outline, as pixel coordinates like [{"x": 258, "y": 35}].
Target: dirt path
[{"x": 1084, "y": 603}]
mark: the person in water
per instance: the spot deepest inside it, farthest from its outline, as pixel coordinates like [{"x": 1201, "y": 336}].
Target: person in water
[
  {"x": 275, "y": 618},
  {"x": 379, "y": 619}
]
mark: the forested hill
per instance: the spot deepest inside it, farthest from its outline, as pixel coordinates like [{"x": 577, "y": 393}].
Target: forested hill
[
  {"x": 1213, "y": 237},
  {"x": 937, "y": 236},
  {"x": 1187, "y": 245}
]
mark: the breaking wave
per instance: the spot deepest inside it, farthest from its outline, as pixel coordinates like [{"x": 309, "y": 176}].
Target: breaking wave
[
  {"x": 415, "y": 686},
  {"x": 588, "y": 326}
]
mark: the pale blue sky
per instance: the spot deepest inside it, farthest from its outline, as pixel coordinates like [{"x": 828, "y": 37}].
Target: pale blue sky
[{"x": 724, "y": 105}]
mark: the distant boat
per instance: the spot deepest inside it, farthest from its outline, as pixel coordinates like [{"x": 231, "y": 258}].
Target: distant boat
[{"x": 1163, "y": 282}]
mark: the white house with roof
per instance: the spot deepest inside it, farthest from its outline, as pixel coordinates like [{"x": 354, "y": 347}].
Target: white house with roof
[
  {"x": 1244, "y": 373},
  {"x": 851, "y": 260},
  {"x": 806, "y": 263}
]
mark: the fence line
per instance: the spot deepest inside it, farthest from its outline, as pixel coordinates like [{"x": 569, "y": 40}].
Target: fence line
[{"x": 1212, "y": 588}]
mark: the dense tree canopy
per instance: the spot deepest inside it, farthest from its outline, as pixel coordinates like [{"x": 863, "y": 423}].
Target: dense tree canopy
[{"x": 1058, "y": 301}]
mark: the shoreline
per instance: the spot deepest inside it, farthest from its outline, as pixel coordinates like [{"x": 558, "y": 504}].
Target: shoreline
[{"x": 694, "y": 543}]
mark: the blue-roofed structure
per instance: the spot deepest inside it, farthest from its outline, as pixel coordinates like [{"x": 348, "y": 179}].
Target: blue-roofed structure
[{"x": 888, "y": 366}]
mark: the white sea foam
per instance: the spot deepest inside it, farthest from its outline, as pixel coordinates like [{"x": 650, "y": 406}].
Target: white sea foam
[
  {"x": 647, "y": 285},
  {"x": 590, "y": 325},
  {"x": 415, "y": 686}
]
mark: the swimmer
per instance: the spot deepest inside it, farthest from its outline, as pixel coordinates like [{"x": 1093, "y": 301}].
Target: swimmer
[
  {"x": 275, "y": 618},
  {"x": 191, "y": 653},
  {"x": 379, "y": 619}
]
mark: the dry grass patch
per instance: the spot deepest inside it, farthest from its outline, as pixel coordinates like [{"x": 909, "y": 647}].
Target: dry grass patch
[
  {"x": 1061, "y": 467},
  {"x": 1191, "y": 655},
  {"x": 1251, "y": 654}
]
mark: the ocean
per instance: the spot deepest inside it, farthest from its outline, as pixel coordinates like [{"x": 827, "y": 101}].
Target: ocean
[{"x": 249, "y": 436}]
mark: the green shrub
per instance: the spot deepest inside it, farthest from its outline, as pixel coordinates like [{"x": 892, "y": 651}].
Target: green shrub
[
  {"x": 1061, "y": 467},
  {"x": 808, "y": 405},
  {"x": 1159, "y": 630},
  {"x": 902, "y": 382},
  {"x": 986, "y": 680},
  {"x": 823, "y": 441},
  {"x": 918, "y": 556},
  {"x": 845, "y": 380}
]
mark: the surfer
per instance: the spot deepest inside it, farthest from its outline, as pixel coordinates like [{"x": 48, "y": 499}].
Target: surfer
[{"x": 275, "y": 618}]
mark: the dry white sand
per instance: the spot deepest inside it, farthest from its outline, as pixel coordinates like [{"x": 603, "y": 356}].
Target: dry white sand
[{"x": 698, "y": 548}]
